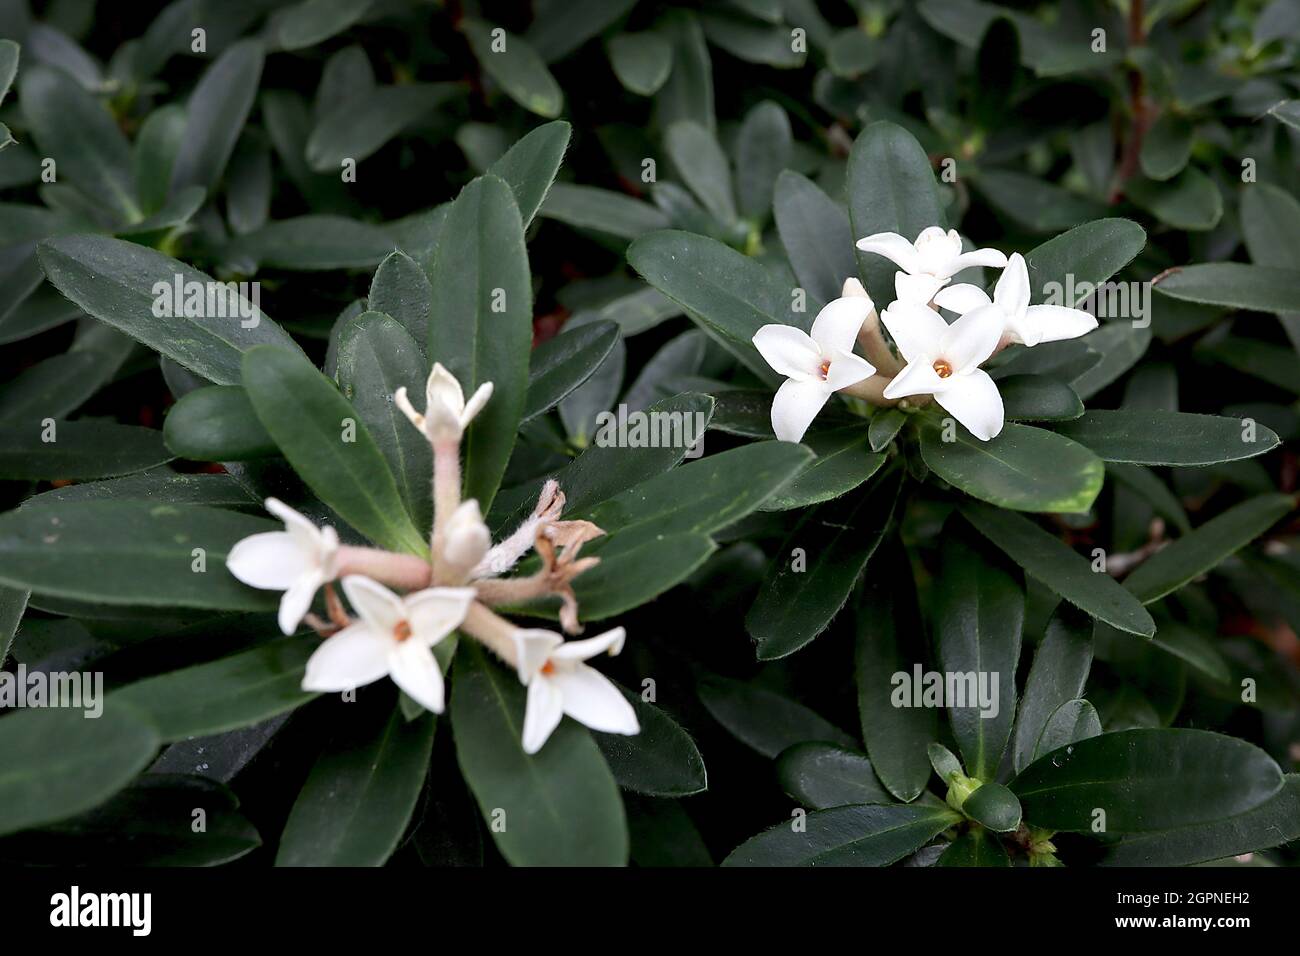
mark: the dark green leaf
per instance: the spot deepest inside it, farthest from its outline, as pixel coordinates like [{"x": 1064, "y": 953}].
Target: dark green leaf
[
  {"x": 993, "y": 806},
  {"x": 660, "y": 761},
  {"x": 515, "y": 65},
  {"x": 529, "y": 166},
  {"x": 217, "y": 423},
  {"x": 846, "y": 836},
  {"x": 765, "y": 720},
  {"x": 1073, "y": 721},
  {"x": 641, "y": 61},
  {"x": 78, "y": 450},
  {"x": 844, "y": 461},
  {"x": 216, "y": 113},
  {"x": 1086, "y": 255},
  {"x": 1168, "y": 438},
  {"x": 401, "y": 290},
  {"x": 559, "y": 365},
  {"x": 1058, "y": 674},
  {"x": 816, "y": 235},
  {"x": 1038, "y": 398},
  {"x": 975, "y": 847},
  {"x": 1235, "y": 285},
  {"x": 821, "y": 776}
]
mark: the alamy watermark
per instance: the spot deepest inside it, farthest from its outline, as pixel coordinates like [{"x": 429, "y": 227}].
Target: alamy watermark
[
  {"x": 65, "y": 689},
  {"x": 190, "y": 298},
  {"x": 1105, "y": 300},
  {"x": 922, "y": 688},
  {"x": 625, "y": 429}
]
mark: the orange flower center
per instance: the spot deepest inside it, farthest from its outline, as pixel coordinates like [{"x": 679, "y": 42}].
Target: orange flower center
[
  {"x": 402, "y": 631},
  {"x": 826, "y": 368},
  {"x": 942, "y": 368},
  {"x": 548, "y": 668}
]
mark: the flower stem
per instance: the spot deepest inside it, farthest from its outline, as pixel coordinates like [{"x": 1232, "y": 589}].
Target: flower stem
[
  {"x": 446, "y": 499},
  {"x": 493, "y": 632},
  {"x": 404, "y": 571}
]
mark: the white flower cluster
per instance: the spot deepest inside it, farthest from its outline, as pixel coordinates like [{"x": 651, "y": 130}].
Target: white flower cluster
[
  {"x": 394, "y": 635},
  {"x": 941, "y": 360}
]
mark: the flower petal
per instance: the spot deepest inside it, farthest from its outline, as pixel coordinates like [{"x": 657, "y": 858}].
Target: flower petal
[
  {"x": 354, "y": 656},
  {"x": 894, "y": 248},
  {"x": 543, "y": 714},
  {"x": 962, "y": 298},
  {"x": 973, "y": 399},
  {"x": 791, "y": 352},
  {"x": 837, "y": 324},
  {"x": 403, "y": 403},
  {"x": 375, "y": 604},
  {"x": 467, "y": 539},
  {"x": 271, "y": 561},
  {"x": 444, "y": 389},
  {"x": 435, "y": 612},
  {"x": 591, "y": 698},
  {"x": 915, "y": 329},
  {"x": 1012, "y": 291},
  {"x": 476, "y": 403},
  {"x": 533, "y": 647},
  {"x": 847, "y": 369},
  {"x": 1052, "y": 323},
  {"x": 413, "y": 668},
  {"x": 918, "y": 289},
  {"x": 611, "y": 641},
  {"x": 979, "y": 257},
  {"x": 938, "y": 251},
  {"x": 795, "y": 406},
  {"x": 972, "y": 338},
  {"x": 296, "y": 601},
  {"x": 298, "y": 525},
  {"x": 918, "y": 378}
]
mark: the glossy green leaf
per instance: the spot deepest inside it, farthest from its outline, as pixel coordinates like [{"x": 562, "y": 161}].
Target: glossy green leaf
[
  {"x": 217, "y": 423},
  {"x": 816, "y": 235},
  {"x": 765, "y": 720},
  {"x": 1146, "y": 780},
  {"x": 633, "y": 572},
  {"x": 890, "y": 640},
  {"x": 51, "y": 388},
  {"x": 979, "y": 616},
  {"x": 225, "y": 694},
  {"x": 602, "y": 210},
  {"x": 530, "y": 165},
  {"x": 975, "y": 847},
  {"x": 59, "y": 764},
  {"x": 1155, "y": 492},
  {"x": 561, "y": 364},
  {"x": 1189, "y": 201},
  {"x": 891, "y": 189},
  {"x": 120, "y": 282},
  {"x": 561, "y": 805},
  {"x": 1024, "y": 468},
  {"x": 1120, "y": 345},
  {"x": 700, "y": 161},
  {"x": 320, "y": 433},
  {"x": 993, "y": 806},
  {"x": 313, "y": 243},
  {"x": 1166, "y": 147},
  {"x": 1038, "y": 398},
  {"x": 215, "y": 115},
  {"x": 884, "y": 428},
  {"x": 844, "y": 461},
  {"x": 846, "y": 836},
  {"x": 83, "y": 449},
  {"x": 816, "y": 568},
  {"x": 1086, "y": 255},
  {"x": 1235, "y": 285},
  {"x": 515, "y": 65},
  {"x": 1073, "y": 721},
  {"x": 481, "y": 326},
  {"x": 312, "y": 21},
  {"x": 1168, "y": 438},
  {"x": 361, "y": 792},
  {"x": 1049, "y": 560},
  {"x": 400, "y": 289},
  {"x": 360, "y": 127},
  {"x": 763, "y": 150},
  {"x": 821, "y": 776},
  {"x": 1060, "y": 670},
  {"x": 1198, "y": 551},
  {"x": 660, "y": 761},
  {"x": 376, "y": 357}
]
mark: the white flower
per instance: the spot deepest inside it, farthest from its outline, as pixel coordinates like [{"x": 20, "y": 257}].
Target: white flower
[
  {"x": 943, "y": 360},
  {"x": 467, "y": 537},
  {"x": 1023, "y": 323},
  {"x": 815, "y": 365},
  {"x": 446, "y": 413},
  {"x": 394, "y": 637},
  {"x": 560, "y": 683},
  {"x": 930, "y": 262},
  {"x": 297, "y": 561}
]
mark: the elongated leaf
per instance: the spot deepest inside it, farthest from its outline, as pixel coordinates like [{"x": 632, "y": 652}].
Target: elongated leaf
[
  {"x": 217, "y": 423},
  {"x": 587, "y": 207},
  {"x": 514, "y": 64},
  {"x": 560, "y": 27},
  {"x": 561, "y": 806},
  {"x": 1060, "y": 669},
  {"x": 844, "y": 461},
  {"x": 975, "y": 847},
  {"x": 530, "y": 165},
  {"x": 993, "y": 806},
  {"x": 1049, "y": 560},
  {"x": 703, "y": 166},
  {"x": 360, "y": 794},
  {"x": 1085, "y": 256},
  {"x": 216, "y": 113},
  {"x": 1198, "y": 551},
  {"x": 332, "y": 451},
  {"x": 632, "y": 573},
  {"x": 730, "y": 295},
  {"x": 376, "y": 357},
  {"x": 1038, "y": 398},
  {"x": 891, "y": 189},
  {"x": 356, "y": 129},
  {"x": 59, "y": 764},
  {"x": 1235, "y": 285},
  {"x": 763, "y": 149},
  {"x": 816, "y": 568},
  {"x": 1146, "y": 780},
  {"x": 660, "y": 761},
  {"x": 1189, "y": 201},
  {"x": 1120, "y": 345},
  {"x": 560, "y": 365},
  {"x": 481, "y": 326},
  {"x": 51, "y": 388},
  {"x": 1168, "y": 438},
  {"x": 57, "y": 450},
  {"x": 226, "y": 694},
  {"x": 688, "y": 92},
  {"x": 701, "y": 496},
  {"x": 764, "y": 720},
  {"x": 313, "y": 243},
  {"x": 846, "y": 836},
  {"x": 312, "y": 21},
  {"x": 816, "y": 235},
  {"x": 821, "y": 776},
  {"x": 890, "y": 641},
  {"x": 120, "y": 282},
  {"x": 1272, "y": 823},
  {"x": 401, "y": 290},
  {"x": 979, "y": 615},
  {"x": 1167, "y": 147},
  {"x": 641, "y": 61},
  {"x": 1024, "y": 468},
  {"x": 1073, "y": 721}
]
